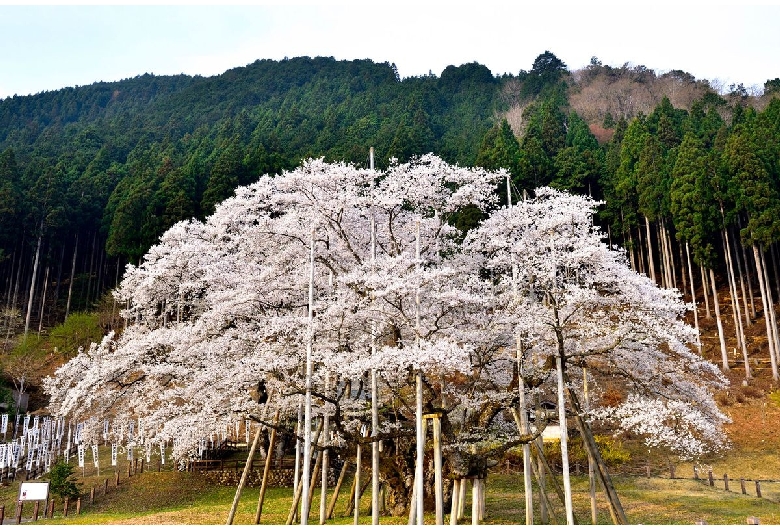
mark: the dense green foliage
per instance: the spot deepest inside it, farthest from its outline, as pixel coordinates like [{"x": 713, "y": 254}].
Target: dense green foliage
[
  {"x": 91, "y": 176},
  {"x": 62, "y": 483}
]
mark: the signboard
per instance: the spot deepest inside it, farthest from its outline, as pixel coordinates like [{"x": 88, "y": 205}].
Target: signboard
[{"x": 34, "y": 491}]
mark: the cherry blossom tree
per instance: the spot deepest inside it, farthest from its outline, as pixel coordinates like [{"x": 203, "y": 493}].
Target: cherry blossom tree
[
  {"x": 218, "y": 319},
  {"x": 579, "y": 301}
]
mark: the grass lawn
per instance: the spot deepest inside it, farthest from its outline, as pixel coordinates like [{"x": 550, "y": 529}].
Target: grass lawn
[{"x": 171, "y": 497}]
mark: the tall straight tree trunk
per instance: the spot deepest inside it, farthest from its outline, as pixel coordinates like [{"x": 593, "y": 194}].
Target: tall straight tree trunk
[
  {"x": 745, "y": 260},
  {"x": 59, "y": 277},
  {"x": 683, "y": 270},
  {"x": 735, "y": 309},
  {"x": 8, "y": 309},
  {"x": 705, "y": 290},
  {"x": 670, "y": 247},
  {"x": 43, "y": 300},
  {"x": 771, "y": 306},
  {"x": 773, "y": 252},
  {"x": 749, "y": 277},
  {"x": 88, "y": 296},
  {"x": 663, "y": 269},
  {"x": 741, "y": 278},
  {"x": 640, "y": 247},
  {"x": 631, "y": 253},
  {"x": 13, "y": 300},
  {"x": 723, "y": 352},
  {"x": 767, "y": 314},
  {"x": 72, "y": 277},
  {"x": 666, "y": 257},
  {"x": 101, "y": 264},
  {"x": 693, "y": 298},
  {"x": 32, "y": 282},
  {"x": 650, "y": 258},
  {"x": 116, "y": 284}
]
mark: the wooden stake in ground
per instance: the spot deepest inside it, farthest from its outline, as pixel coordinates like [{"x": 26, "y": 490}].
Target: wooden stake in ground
[
  {"x": 358, "y": 465},
  {"x": 437, "y": 469},
  {"x": 297, "y": 496},
  {"x": 615, "y": 507},
  {"x": 591, "y": 462},
  {"x": 244, "y": 475},
  {"x": 455, "y": 499},
  {"x": 564, "y": 441},
  {"x": 267, "y": 468},
  {"x": 325, "y": 460},
  {"x": 313, "y": 483},
  {"x": 339, "y": 482}
]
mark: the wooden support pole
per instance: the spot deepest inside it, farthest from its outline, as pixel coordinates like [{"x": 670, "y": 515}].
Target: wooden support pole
[
  {"x": 313, "y": 483},
  {"x": 437, "y": 466},
  {"x": 455, "y": 499},
  {"x": 413, "y": 505},
  {"x": 299, "y": 489},
  {"x": 710, "y": 479},
  {"x": 549, "y": 472},
  {"x": 359, "y": 494},
  {"x": 325, "y": 462},
  {"x": 92, "y": 495},
  {"x": 2, "y": 513},
  {"x": 336, "y": 490},
  {"x": 545, "y": 507},
  {"x": 50, "y": 510},
  {"x": 462, "y": 499},
  {"x": 105, "y": 487},
  {"x": 244, "y": 476},
  {"x": 65, "y": 507},
  {"x": 36, "y": 508},
  {"x": 420, "y": 429},
  {"x": 267, "y": 468},
  {"x": 758, "y": 489},
  {"x": 726, "y": 482},
  {"x": 358, "y": 465},
  {"x": 615, "y": 507},
  {"x": 591, "y": 462},
  {"x": 481, "y": 499},
  {"x": 19, "y": 508},
  {"x": 475, "y": 501},
  {"x": 742, "y": 486},
  {"x": 78, "y": 506},
  {"x": 374, "y": 428}
]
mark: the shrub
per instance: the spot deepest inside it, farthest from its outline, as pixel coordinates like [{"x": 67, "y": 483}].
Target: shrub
[
  {"x": 78, "y": 331},
  {"x": 62, "y": 482}
]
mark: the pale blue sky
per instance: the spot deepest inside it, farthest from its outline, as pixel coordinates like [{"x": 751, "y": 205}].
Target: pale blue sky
[{"x": 54, "y": 46}]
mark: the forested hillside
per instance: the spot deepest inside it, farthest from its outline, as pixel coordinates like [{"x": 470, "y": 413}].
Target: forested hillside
[{"x": 91, "y": 176}]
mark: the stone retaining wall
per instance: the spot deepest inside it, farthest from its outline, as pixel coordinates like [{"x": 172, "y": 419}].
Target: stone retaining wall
[{"x": 276, "y": 477}]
